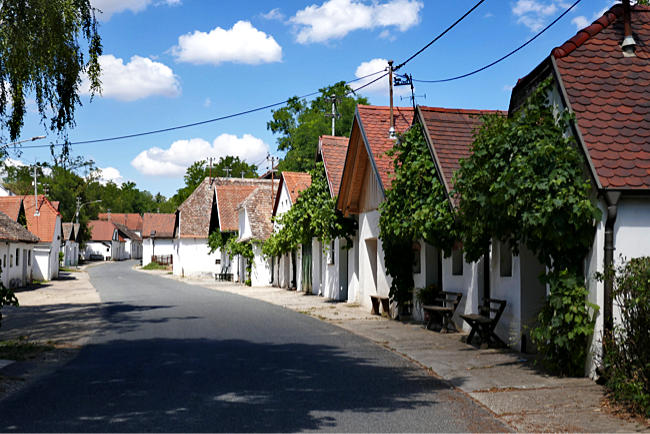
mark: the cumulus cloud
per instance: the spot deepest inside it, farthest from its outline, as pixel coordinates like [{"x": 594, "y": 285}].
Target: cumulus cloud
[
  {"x": 108, "y": 174},
  {"x": 534, "y": 14},
  {"x": 174, "y": 160},
  {"x": 110, "y": 7},
  {"x": 139, "y": 78},
  {"x": 273, "y": 14},
  {"x": 379, "y": 86},
  {"x": 336, "y": 18},
  {"x": 582, "y": 21},
  {"x": 243, "y": 43}
]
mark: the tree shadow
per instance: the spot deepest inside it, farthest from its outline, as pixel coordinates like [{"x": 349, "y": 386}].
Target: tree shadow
[{"x": 231, "y": 386}]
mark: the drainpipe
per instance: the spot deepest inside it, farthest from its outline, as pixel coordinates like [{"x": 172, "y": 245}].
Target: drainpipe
[{"x": 612, "y": 198}]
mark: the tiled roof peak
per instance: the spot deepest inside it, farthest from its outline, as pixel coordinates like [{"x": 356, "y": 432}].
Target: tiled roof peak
[{"x": 588, "y": 32}]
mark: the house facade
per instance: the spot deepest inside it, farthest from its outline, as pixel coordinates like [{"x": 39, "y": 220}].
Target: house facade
[
  {"x": 16, "y": 253},
  {"x": 133, "y": 241},
  {"x": 44, "y": 221},
  {"x": 157, "y": 236},
  {"x": 70, "y": 245},
  {"x": 254, "y": 225},
  {"x": 104, "y": 243}
]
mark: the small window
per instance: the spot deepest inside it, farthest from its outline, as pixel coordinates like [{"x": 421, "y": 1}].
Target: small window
[
  {"x": 29, "y": 257},
  {"x": 330, "y": 254},
  {"x": 457, "y": 261},
  {"x": 17, "y": 257},
  {"x": 11, "y": 260},
  {"x": 417, "y": 260},
  {"x": 505, "y": 260}
]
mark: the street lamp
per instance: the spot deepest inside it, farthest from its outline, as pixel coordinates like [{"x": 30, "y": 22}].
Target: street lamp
[{"x": 80, "y": 205}]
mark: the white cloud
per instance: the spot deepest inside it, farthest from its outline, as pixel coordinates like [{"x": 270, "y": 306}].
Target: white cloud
[
  {"x": 273, "y": 14},
  {"x": 243, "y": 43},
  {"x": 207, "y": 103},
  {"x": 110, "y": 7},
  {"x": 534, "y": 14},
  {"x": 580, "y": 22},
  {"x": 380, "y": 86},
  {"x": 336, "y": 18},
  {"x": 182, "y": 153},
  {"x": 139, "y": 78},
  {"x": 108, "y": 174}
]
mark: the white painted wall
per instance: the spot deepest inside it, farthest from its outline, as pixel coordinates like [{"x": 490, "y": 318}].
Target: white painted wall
[
  {"x": 192, "y": 257},
  {"x": 469, "y": 284},
  {"x": 157, "y": 246},
  {"x": 98, "y": 248},
  {"x": 70, "y": 251},
  {"x": 368, "y": 235},
  {"x": 16, "y": 275},
  {"x": 261, "y": 271}
]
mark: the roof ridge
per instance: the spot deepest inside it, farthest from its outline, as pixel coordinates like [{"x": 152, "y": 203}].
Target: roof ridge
[
  {"x": 588, "y": 32},
  {"x": 383, "y": 107},
  {"x": 459, "y": 110}
]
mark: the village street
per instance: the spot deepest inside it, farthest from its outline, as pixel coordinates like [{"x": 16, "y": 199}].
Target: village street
[{"x": 174, "y": 357}]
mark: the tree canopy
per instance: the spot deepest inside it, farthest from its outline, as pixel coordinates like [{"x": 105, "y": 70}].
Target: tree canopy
[
  {"x": 301, "y": 122},
  {"x": 41, "y": 57}
]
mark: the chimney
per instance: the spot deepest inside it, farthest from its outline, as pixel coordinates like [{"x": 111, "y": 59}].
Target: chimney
[{"x": 629, "y": 44}]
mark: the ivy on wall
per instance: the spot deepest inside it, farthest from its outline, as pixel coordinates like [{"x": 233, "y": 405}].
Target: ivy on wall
[
  {"x": 525, "y": 184},
  {"x": 227, "y": 242},
  {"x": 416, "y": 207}
]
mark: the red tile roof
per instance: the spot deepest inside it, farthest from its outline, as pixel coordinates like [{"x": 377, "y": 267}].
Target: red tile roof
[
  {"x": 451, "y": 133},
  {"x": 609, "y": 94},
  {"x": 375, "y": 123},
  {"x": 101, "y": 230},
  {"x": 10, "y": 205},
  {"x": 231, "y": 192},
  {"x": 163, "y": 224},
  {"x": 11, "y": 230},
  {"x": 132, "y": 221},
  {"x": 296, "y": 182},
  {"x": 259, "y": 209},
  {"x": 333, "y": 150},
  {"x": 43, "y": 225}
]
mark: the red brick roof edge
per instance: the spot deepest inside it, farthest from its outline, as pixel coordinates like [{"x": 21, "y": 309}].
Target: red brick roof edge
[{"x": 588, "y": 32}]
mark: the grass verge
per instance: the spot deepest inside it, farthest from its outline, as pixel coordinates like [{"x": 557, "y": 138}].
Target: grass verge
[{"x": 21, "y": 349}]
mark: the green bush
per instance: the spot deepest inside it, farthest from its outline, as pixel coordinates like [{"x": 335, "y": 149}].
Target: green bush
[
  {"x": 627, "y": 351},
  {"x": 427, "y": 295}
]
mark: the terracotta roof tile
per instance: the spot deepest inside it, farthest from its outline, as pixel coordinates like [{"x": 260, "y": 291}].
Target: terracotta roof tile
[
  {"x": 163, "y": 224},
  {"x": 133, "y": 221},
  {"x": 11, "y": 230},
  {"x": 43, "y": 225},
  {"x": 10, "y": 205},
  {"x": 231, "y": 192},
  {"x": 333, "y": 150},
  {"x": 258, "y": 207},
  {"x": 375, "y": 123},
  {"x": 451, "y": 133},
  {"x": 296, "y": 182},
  {"x": 125, "y": 232},
  {"x": 101, "y": 230},
  {"x": 609, "y": 94}
]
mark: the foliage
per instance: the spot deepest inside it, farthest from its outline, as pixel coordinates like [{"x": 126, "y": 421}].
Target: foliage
[
  {"x": 41, "y": 58},
  {"x": 627, "y": 355},
  {"x": 427, "y": 295},
  {"x": 227, "y": 243},
  {"x": 154, "y": 266},
  {"x": 21, "y": 349},
  {"x": 7, "y": 297},
  {"x": 566, "y": 324},
  {"x": 300, "y": 123},
  {"x": 525, "y": 184},
  {"x": 416, "y": 207},
  {"x": 218, "y": 240},
  {"x": 314, "y": 215}
]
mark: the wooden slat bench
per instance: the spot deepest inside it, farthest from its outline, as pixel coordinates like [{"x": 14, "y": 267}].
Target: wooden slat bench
[
  {"x": 224, "y": 275},
  {"x": 484, "y": 322},
  {"x": 443, "y": 310},
  {"x": 376, "y": 301}
]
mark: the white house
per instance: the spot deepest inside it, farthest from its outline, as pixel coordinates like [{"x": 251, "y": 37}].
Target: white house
[
  {"x": 44, "y": 221},
  {"x": 132, "y": 235},
  {"x": 607, "y": 89},
  {"x": 104, "y": 243},
  {"x": 254, "y": 215},
  {"x": 16, "y": 253},
  {"x": 70, "y": 245},
  {"x": 157, "y": 236}
]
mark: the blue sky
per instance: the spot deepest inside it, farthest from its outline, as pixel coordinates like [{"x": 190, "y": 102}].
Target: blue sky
[{"x": 172, "y": 62}]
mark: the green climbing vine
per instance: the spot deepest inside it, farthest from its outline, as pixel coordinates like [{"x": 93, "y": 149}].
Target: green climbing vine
[
  {"x": 314, "y": 215},
  {"x": 416, "y": 207},
  {"x": 525, "y": 184},
  {"x": 227, "y": 242}
]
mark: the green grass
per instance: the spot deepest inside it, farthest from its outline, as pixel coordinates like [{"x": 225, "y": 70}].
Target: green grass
[
  {"x": 154, "y": 266},
  {"x": 21, "y": 349},
  {"x": 68, "y": 270}
]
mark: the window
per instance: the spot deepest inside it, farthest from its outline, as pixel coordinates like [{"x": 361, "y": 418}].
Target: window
[
  {"x": 29, "y": 257},
  {"x": 17, "y": 257},
  {"x": 417, "y": 260},
  {"x": 505, "y": 260},
  {"x": 330, "y": 254},
  {"x": 457, "y": 261},
  {"x": 11, "y": 260}
]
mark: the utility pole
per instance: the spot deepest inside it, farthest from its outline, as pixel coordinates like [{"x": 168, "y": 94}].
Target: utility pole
[
  {"x": 36, "y": 212},
  {"x": 227, "y": 170},
  {"x": 210, "y": 170},
  {"x": 333, "y": 115},
  {"x": 272, "y": 159},
  {"x": 391, "y": 130}
]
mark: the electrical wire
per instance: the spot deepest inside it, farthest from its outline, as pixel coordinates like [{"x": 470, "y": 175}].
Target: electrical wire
[
  {"x": 439, "y": 36},
  {"x": 476, "y": 71}
]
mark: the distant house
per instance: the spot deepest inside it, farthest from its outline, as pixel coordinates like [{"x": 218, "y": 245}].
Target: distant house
[
  {"x": 16, "y": 253},
  {"x": 157, "y": 236},
  {"x": 132, "y": 243},
  {"x": 5, "y": 192},
  {"x": 287, "y": 269},
  {"x": 607, "y": 89},
  {"x": 133, "y": 222},
  {"x": 70, "y": 245},
  {"x": 255, "y": 226},
  {"x": 365, "y": 178},
  {"x": 104, "y": 243},
  {"x": 44, "y": 221}
]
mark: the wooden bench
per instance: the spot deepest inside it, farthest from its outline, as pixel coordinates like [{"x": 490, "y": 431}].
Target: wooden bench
[
  {"x": 486, "y": 321},
  {"x": 224, "y": 275},
  {"x": 443, "y": 310},
  {"x": 376, "y": 301}
]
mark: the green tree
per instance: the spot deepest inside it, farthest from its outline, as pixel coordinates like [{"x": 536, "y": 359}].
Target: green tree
[
  {"x": 41, "y": 57},
  {"x": 300, "y": 123}
]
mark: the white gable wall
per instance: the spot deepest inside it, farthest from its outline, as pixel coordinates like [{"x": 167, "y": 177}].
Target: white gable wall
[
  {"x": 192, "y": 257},
  {"x": 156, "y": 246},
  {"x": 16, "y": 274}
]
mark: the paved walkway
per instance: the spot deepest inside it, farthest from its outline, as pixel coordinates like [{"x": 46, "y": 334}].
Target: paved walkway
[{"x": 504, "y": 382}]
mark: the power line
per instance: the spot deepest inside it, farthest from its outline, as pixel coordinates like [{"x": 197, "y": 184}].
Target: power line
[
  {"x": 439, "y": 36},
  {"x": 476, "y": 71}
]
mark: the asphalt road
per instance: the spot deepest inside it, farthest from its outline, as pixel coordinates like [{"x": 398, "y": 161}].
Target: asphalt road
[{"x": 175, "y": 357}]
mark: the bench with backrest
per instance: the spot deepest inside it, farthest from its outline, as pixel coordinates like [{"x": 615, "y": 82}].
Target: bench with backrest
[
  {"x": 445, "y": 304},
  {"x": 225, "y": 274},
  {"x": 484, "y": 322},
  {"x": 379, "y": 300}
]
